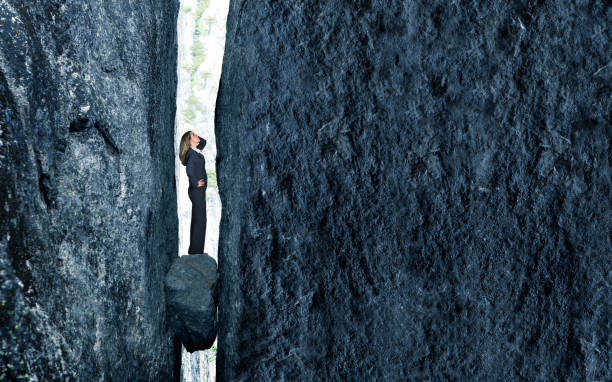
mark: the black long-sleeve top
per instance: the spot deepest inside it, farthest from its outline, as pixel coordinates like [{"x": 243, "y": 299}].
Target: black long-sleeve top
[{"x": 194, "y": 163}]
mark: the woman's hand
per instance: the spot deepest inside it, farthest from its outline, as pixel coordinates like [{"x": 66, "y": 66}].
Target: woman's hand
[{"x": 201, "y": 183}]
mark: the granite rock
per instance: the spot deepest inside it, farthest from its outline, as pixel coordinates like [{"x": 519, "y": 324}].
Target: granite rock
[
  {"x": 88, "y": 220},
  {"x": 415, "y": 190}
]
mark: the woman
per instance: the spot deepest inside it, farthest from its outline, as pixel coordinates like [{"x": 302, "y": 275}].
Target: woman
[{"x": 191, "y": 157}]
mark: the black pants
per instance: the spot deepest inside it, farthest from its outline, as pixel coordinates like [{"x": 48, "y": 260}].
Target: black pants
[{"x": 198, "y": 219}]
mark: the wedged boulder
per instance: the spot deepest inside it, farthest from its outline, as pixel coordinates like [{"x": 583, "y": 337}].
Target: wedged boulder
[{"x": 191, "y": 290}]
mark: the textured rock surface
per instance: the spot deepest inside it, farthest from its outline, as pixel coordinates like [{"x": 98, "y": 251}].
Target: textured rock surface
[
  {"x": 88, "y": 220},
  {"x": 192, "y": 297},
  {"x": 415, "y": 190}
]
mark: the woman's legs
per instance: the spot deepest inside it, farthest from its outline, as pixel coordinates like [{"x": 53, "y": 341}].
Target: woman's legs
[{"x": 198, "y": 220}]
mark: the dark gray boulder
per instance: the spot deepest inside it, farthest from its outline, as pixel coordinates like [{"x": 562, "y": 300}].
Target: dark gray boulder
[
  {"x": 88, "y": 222},
  {"x": 191, "y": 295},
  {"x": 415, "y": 191}
]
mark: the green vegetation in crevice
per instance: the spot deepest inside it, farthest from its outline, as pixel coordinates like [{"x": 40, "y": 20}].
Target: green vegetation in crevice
[
  {"x": 210, "y": 20},
  {"x": 192, "y": 101},
  {"x": 213, "y": 354},
  {"x": 211, "y": 175},
  {"x": 189, "y": 114},
  {"x": 202, "y": 6},
  {"x": 198, "y": 56},
  {"x": 199, "y": 82}
]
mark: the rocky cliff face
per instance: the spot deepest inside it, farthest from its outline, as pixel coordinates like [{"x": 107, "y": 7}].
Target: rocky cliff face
[
  {"x": 415, "y": 190},
  {"x": 88, "y": 221}
]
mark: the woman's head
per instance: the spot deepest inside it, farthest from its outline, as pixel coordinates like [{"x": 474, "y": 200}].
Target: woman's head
[{"x": 184, "y": 145}]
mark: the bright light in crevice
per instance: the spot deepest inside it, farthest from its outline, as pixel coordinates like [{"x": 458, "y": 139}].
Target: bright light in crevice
[{"x": 201, "y": 40}]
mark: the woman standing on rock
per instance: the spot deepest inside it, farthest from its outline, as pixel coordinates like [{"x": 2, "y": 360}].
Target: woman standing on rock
[{"x": 191, "y": 157}]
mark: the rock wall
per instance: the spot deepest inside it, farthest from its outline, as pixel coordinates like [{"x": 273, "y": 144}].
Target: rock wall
[
  {"x": 88, "y": 221},
  {"x": 415, "y": 190}
]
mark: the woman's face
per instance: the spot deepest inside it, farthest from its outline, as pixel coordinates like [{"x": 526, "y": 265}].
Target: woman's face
[{"x": 194, "y": 139}]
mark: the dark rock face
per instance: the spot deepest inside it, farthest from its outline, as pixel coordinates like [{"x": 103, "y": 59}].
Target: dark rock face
[
  {"x": 192, "y": 297},
  {"x": 415, "y": 190},
  {"x": 88, "y": 222}
]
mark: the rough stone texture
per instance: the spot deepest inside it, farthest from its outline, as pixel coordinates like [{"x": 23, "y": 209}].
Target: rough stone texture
[
  {"x": 415, "y": 190},
  {"x": 88, "y": 220},
  {"x": 192, "y": 298}
]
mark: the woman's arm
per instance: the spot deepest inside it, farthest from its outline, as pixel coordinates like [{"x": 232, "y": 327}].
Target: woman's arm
[
  {"x": 191, "y": 171},
  {"x": 202, "y": 143}
]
